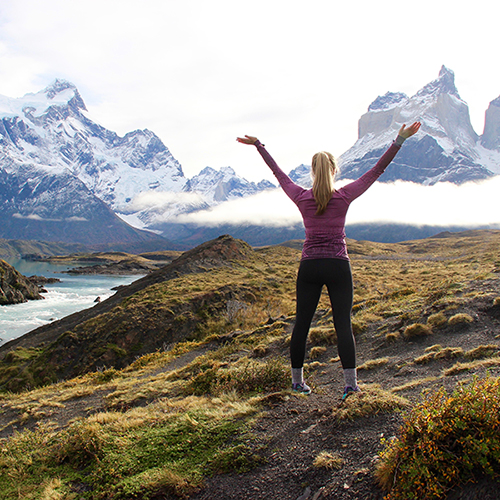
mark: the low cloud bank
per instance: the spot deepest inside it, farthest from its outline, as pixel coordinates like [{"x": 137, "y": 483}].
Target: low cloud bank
[
  {"x": 443, "y": 204},
  {"x": 268, "y": 208},
  {"x": 161, "y": 201}
]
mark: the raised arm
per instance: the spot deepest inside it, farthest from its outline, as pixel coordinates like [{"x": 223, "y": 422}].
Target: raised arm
[
  {"x": 355, "y": 189},
  {"x": 290, "y": 188}
]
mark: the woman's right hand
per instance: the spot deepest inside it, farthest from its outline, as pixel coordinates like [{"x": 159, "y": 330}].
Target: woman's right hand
[{"x": 248, "y": 139}]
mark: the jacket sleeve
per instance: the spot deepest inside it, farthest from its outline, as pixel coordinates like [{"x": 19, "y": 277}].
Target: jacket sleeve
[
  {"x": 355, "y": 189},
  {"x": 292, "y": 190}
]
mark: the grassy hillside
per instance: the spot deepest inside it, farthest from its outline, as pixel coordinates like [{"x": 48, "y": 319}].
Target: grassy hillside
[{"x": 177, "y": 387}]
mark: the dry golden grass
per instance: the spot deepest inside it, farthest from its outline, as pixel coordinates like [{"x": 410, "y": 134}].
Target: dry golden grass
[
  {"x": 437, "y": 320},
  {"x": 373, "y": 363},
  {"x": 392, "y": 337},
  {"x": 478, "y": 363},
  {"x": 460, "y": 319},
  {"x": 483, "y": 351},
  {"x": 414, "y": 383},
  {"x": 323, "y": 335},
  {"x": 371, "y": 400},
  {"x": 327, "y": 460},
  {"x": 317, "y": 352},
  {"x": 416, "y": 330}
]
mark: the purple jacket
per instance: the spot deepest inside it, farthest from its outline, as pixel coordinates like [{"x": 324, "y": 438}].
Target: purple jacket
[{"x": 325, "y": 233}]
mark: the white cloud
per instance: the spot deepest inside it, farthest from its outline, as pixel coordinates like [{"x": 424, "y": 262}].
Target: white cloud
[
  {"x": 161, "y": 201},
  {"x": 269, "y": 208},
  {"x": 471, "y": 204}
]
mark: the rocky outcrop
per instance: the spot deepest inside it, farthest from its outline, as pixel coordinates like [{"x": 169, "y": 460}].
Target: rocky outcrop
[
  {"x": 14, "y": 287},
  {"x": 491, "y": 135}
]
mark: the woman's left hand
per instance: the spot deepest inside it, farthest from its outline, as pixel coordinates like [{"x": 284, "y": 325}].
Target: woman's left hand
[
  {"x": 411, "y": 130},
  {"x": 248, "y": 139}
]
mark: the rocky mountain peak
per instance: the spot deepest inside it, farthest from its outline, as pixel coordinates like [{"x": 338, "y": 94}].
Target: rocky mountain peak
[
  {"x": 445, "y": 83},
  {"x": 389, "y": 100},
  {"x": 58, "y": 86},
  {"x": 491, "y": 135},
  {"x": 445, "y": 148}
]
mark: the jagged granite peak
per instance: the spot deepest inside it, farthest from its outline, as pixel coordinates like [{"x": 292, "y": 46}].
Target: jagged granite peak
[
  {"x": 445, "y": 83},
  {"x": 389, "y": 100},
  {"x": 445, "y": 149},
  {"x": 51, "y": 129},
  {"x": 491, "y": 134}
]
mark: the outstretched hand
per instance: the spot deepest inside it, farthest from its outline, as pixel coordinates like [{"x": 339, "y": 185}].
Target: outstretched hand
[
  {"x": 248, "y": 139},
  {"x": 411, "y": 130}
]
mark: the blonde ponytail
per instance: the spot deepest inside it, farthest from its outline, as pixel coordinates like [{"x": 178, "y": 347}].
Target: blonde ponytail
[{"x": 323, "y": 170}]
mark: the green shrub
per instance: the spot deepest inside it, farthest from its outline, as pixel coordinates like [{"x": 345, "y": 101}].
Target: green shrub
[
  {"x": 444, "y": 441},
  {"x": 245, "y": 377}
]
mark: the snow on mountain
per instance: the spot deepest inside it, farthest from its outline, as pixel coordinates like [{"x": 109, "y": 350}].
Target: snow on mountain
[
  {"x": 136, "y": 175},
  {"x": 53, "y": 131},
  {"x": 446, "y": 149},
  {"x": 225, "y": 184},
  {"x": 301, "y": 175}
]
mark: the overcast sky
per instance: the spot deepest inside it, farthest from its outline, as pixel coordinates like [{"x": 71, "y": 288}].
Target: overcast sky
[{"x": 296, "y": 74}]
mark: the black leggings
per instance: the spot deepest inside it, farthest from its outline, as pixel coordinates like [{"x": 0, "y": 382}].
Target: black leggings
[{"x": 336, "y": 275}]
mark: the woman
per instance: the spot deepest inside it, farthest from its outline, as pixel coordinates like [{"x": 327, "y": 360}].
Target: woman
[{"x": 324, "y": 255}]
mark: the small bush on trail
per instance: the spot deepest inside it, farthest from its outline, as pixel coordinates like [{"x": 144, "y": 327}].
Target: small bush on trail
[
  {"x": 371, "y": 400},
  {"x": 416, "y": 330},
  {"x": 317, "y": 352},
  {"x": 483, "y": 351},
  {"x": 392, "y": 337},
  {"x": 327, "y": 460},
  {"x": 323, "y": 336},
  {"x": 460, "y": 319},
  {"x": 373, "y": 363},
  {"x": 245, "y": 377},
  {"x": 444, "y": 442},
  {"x": 437, "y": 320}
]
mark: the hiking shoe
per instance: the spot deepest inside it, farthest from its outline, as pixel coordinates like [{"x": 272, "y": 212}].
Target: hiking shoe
[
  {"x": 301, "y": 388},
  {"x": 348, "y": 391}
]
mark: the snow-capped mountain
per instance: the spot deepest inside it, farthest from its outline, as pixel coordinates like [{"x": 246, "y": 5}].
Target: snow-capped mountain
[
  {"x": 225, "y": 184},
  {"x": 52, "y": 130},
  {"x": 63, "y": 177},
  {"x": 446, "y": 148},
  {"x": 56, "y": 164},
  {"x": 301, "y": 175}
]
